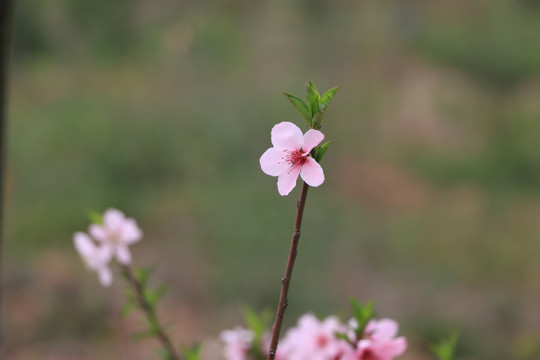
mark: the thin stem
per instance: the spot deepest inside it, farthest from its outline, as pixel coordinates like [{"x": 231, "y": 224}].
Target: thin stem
[
  {"x": 286, "y": 280},
  {"x": 150, "y": 313},
  {"x": 5, "y": 37}
]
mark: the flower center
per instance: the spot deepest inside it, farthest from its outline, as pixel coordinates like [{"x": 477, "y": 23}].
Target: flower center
[
  {"x": 369, "y": 355},
  {"x": 322, "y": 341},
  {"x": 295, "y": 157}
]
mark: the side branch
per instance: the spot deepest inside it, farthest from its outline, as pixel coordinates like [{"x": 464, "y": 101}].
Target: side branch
[
  {"x": 286, "y": 280},
  {"x": 150, "y": 314}
]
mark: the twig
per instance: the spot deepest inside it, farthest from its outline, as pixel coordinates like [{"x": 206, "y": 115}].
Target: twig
[
  {"x": 286, "y": 280},
  {"x": 150, "y": 313}
]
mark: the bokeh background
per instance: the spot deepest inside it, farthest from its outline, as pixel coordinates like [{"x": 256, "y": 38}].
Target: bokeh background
[{"x": 162, "y": 108}]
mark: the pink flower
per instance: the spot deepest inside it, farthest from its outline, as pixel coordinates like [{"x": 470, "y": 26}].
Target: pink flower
[
  {"x": 96, "y": 258},
  {"x": 238, "y": 342},
  {"x": 116, "y": 233},
  {"x": 379, "y": 342},
  {"x": 314, "y": 340},
  {"x": 291, "y": 157}
]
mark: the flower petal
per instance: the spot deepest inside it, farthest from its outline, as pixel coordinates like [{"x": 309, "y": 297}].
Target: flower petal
[
  {"x": 273, "y": 162},
  {"x": 105, "y": 276},
  {"x": 123, "y": 255},
  {"x": 130, "y": 232},
  {"x": 84, "y": 245},
  {"x": 287, "y": 180},
  {"x": 390, "y": 349},
  {"x": 384, "y": 329},
  {"x": 312, "y": 173},
  {"x": 286, "y": 135},
  {"x": 98, "y": 232},
  {"x": 113, "y": 219},
  {"x": 312, "y": 138}
]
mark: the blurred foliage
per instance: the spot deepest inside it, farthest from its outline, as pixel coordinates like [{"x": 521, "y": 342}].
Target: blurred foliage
[{"x": 162, "y": 109}]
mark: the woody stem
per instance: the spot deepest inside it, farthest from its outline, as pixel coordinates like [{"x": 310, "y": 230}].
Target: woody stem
[{"x": 286, "y": 280}]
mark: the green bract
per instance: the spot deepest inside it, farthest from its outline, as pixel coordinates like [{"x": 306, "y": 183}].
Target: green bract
[
  {"x": 446, "y": 348},
  {"x": 314, "y": 110}
]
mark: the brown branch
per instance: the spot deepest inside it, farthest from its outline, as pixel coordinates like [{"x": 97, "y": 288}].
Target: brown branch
[
  {"x": 286, "y": 280},
  {"x": 150, "y": 313}
]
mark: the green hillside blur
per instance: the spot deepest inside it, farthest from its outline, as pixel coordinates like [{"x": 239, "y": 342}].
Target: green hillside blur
[{"x": 431, "y": 204}]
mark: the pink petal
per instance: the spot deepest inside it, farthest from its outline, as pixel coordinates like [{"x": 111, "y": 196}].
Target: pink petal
[
  {"x": 131, "y": 232},
  {"x": 123, "y": 255},
  {"x": 384, "y": 329},
  {"x": 83, "y": 244},
  {"x": 105, "y": 276},
  {"x": 98, "y": 232},
  {"x": 273, "y": 162},
  {"x": 104, "y": 253},
  {"x": 312, "y": 138},
  {"x": 113, "y": 219},
  {"x": 312, "y": 173},
  {"x": 389, "y": 350},
  {"x": 286, "y": 135},
  {"x": 287, "y": 180}
]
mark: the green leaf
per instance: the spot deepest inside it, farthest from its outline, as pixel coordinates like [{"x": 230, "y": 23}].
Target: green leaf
[
  {"x": 127, "y": 308},
  {"x": 362, "y": 314},
  {"x": 94, "y": 217},
  {"x": 153, "y": 297},
  {"x": 319, "y": 151},
  {"x": 142, "y": 275},
  {"x": 342, "y": 336},
  {"x": 327, "y": 97},
  {"x": 301, "y": 106},
  {"x": 191, "y": 352},
  {"x": 312, "y": 97},
  {"x": 257, "y": 323},
  {"x": 144, "y": 334},
  {"x": 317, "y": 120},
  {"x": 165, "y": 354},
  {"x": 445, "y": 349}
]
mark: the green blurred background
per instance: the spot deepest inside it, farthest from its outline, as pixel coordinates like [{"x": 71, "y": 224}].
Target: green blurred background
[{"x": 162, "y": 108}]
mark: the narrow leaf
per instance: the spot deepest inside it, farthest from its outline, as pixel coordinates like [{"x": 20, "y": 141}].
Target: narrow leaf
[
  {"x": 313, "y": 98},
  {"x": 142, "y": 275},
  {"x": 127, "y": 308},
  {"x": 320, "y": 151},
  {"x": 144, "y": 334},
  {"x": 445, "y": 349},
  {"x": 153, "y": 297},
  {"x": 341, "y": 336},
  {"x": 328, "y": 96},
  {"x": 317, "y": 120},
  {"x": 301, "y": 106},
  {"x": 362, "y": 314},
  {"x": 257, "y": 323},
  {"x": 165, "y": 354},
  {"x": 191, "y": 352},
  {"x": 94, "y": 217}
]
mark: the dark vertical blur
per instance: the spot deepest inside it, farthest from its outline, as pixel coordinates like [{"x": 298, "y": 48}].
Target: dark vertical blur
[{"x": 5, "y": 34}]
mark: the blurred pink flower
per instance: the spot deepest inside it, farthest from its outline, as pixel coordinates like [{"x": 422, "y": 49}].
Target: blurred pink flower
[
  {"x": 291, "y": 157},
  {"x": 238, "y": 342},
  {"x": 96, "y": 258},
  {"x": 379, "y": 342},
  {"x": 116, "y": 233},
  {"x": 314, "y": 340}
]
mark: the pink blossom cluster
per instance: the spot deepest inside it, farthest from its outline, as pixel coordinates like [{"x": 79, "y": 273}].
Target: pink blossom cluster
[
  {"x": 107, "y": 241},
  {"x": 313, "y": 339}
]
